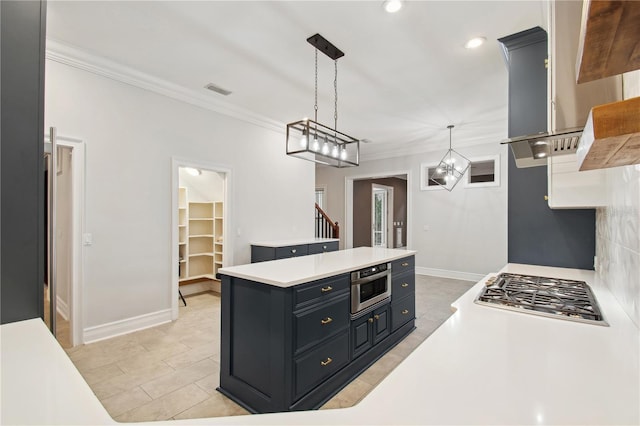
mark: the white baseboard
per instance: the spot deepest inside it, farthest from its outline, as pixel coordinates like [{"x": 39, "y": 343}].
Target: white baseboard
[
  {"x": 125, "y": 326},
  {"x": 443, "y": 273},
  {"x": 62, "y": 308}
]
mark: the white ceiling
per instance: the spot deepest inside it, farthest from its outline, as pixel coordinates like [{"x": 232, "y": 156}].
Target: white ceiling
[{"x": 403, "y": 79}]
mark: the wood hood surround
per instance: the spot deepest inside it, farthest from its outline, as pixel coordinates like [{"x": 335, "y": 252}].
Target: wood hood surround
[{"x": 609, "y": 45}]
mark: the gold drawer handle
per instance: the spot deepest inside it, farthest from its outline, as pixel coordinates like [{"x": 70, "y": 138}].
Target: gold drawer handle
[
  {"x": 327, "y": 320},
  {"x": 370, "y": 320},
  {"x": 293, "y": 251},
  {"x": 405, "y": 263},
  {"x": 405, "y": 285},
  {"x": 327, "y": 362},
  {"x": 377, "y": 317},
  {"x": 326, "y": 289},
  {"x": 324, "y": 247},
  {"x": 405, "y": 312}
]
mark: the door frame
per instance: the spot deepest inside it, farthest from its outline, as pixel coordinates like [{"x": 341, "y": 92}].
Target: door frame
[
  {"x": 389, "y": 214},
  {"x": 227, "y": 246},
  {"x": 78, "y": 167},
  {"x": 348, "y": 202}
]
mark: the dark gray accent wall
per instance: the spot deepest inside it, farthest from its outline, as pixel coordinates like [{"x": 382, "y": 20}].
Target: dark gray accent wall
[
  {"x": 22, "y": 34},
  {"x": 537, "y": 234},
  {"x": 362, "y": 208}
]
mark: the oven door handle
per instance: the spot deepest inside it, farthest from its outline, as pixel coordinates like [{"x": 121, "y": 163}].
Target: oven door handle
[{"x": 370, "y": 277}]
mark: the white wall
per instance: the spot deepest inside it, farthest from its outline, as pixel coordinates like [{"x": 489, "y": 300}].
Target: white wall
[
  {"x": 467, "y": 228},
  {"x": 618, "y": 228},
  {"x": 131, "y": 135}
]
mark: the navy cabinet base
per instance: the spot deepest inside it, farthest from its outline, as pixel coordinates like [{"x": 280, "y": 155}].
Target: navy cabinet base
[{"x": 291, "y": 349}]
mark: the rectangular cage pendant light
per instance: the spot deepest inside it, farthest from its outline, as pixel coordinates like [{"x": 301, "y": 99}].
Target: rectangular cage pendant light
[{"x": 314, "y": 141}]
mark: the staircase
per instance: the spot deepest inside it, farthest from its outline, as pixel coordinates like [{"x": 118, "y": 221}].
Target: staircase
[{"x": 325, "y": 227}]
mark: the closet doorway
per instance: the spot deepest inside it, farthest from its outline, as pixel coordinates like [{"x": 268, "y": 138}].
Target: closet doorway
[{"x": 200, "y": 222}]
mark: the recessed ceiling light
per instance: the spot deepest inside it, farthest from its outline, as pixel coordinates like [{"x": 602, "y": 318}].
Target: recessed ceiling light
[
  {"x": 392, "y": 6},
  {"x": 475, "y": 42}
]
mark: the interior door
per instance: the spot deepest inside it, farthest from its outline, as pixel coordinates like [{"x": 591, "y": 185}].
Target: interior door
[{"x": 381, "y": 216}]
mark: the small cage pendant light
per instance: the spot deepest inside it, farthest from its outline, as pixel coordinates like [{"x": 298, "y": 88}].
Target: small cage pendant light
[{"x": 451, "y": 168}]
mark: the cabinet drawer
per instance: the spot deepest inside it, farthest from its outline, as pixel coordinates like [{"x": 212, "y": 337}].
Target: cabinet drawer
[
  {"x": 319, "y": 364},
  {"x": 323, "y": 247},
  {"x": 314, "y": 325},
  {"x": 291, "y": 251},
  {"x": 402, "y": 265},
  {"x": 402, "y": 285},
  {"x": 317, "y": 291},
  {"x": 403, "y": 311}
]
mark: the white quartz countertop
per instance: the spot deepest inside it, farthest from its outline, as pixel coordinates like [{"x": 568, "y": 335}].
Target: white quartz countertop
[
  {"x": 302, "y": 269},
  {"x": 482, "y": 366},
  {"x": 293, "y": 242}
]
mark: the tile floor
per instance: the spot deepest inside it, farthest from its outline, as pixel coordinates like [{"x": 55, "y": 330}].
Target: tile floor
[{"x": 172, "y": 371}]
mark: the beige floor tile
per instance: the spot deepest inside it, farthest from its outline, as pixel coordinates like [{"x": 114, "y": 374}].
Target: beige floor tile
[
  {"x": 122, "y": 383},
  {"x": 179, "y": 378},
  {"x": 380, "y": 369},
  {"x": 126, "y": 401},
  {"x": 210, "y": 383},
  {"x": 142, "y": 360},
  {"x": 99, "y": 374},
  {"x": 106, "y": 357},
  {"x": 350, "y": 395},
  {"x": 167, "y": 406},
  {"x": 215, "y": 406},
  {"x": 193, "y": 355}
]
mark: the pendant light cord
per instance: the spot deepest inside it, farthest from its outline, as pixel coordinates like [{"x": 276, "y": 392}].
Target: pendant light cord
[
  {"x": 315, "y": 105},
  {"x": 335, "y": 110}
]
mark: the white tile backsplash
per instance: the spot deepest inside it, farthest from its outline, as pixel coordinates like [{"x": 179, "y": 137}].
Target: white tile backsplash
[{"x": 618, "y": 228}]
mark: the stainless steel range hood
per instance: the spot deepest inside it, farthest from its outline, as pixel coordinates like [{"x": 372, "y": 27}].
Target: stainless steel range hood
[{"x": 533, "y": 150}]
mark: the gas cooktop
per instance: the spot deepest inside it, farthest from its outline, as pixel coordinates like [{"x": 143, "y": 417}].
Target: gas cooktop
[{"x": 550, "y": 297}]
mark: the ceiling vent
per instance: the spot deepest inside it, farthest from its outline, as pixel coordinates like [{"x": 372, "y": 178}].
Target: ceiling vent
[{"x": 217, "y": 89}]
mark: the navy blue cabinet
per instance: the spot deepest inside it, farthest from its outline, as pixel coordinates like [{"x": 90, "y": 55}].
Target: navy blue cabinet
[
  {"x": 264, "y": 252},
  {"x": 286, "y": 349}
]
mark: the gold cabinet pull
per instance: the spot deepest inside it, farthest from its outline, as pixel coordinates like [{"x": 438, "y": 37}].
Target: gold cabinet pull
[
  {"x": 293, "y": 251},
  {"x": 405, "y": 312},
  {"x": 370, "y": 320},
  {"x": 405, "y": 263},
  {"x": 405, "y": 285},
  {"x": 326, "y": 289},
  {"x": 377, "y": 317},
  {"x": 326, "y": 362},
  {"x": 326, "y": 320},
  {"x": 324, "y": 247}
]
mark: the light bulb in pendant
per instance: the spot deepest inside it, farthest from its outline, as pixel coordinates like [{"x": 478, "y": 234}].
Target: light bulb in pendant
[
  {"x": 304, "y": 140},
  {"x": 316, "y": 144},
  {"x": 325, "y": 147},
  {"x": 343, "y": 153},
  {"x": 335, "y": 152},
  {"x": 439, "y": 170}
]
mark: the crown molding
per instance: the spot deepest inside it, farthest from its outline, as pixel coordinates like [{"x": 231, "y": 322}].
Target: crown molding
[{"x": 81, "y": 59}]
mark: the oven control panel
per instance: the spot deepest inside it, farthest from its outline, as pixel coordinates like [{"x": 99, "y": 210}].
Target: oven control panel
[{"x": 372, "y": 270}]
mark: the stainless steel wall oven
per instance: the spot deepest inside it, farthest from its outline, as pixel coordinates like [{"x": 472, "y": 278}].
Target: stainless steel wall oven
[{"x": 370, "y": 286}]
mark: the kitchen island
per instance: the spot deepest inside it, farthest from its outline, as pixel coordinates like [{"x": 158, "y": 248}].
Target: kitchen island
[
  {"x": 482, "y": 366},
  {"x": 293, "y": 332}
]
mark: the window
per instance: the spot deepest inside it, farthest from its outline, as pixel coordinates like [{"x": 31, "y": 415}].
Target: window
[
  {"x": 426, "y": 183},
  {"x": 483, "y": 172}
]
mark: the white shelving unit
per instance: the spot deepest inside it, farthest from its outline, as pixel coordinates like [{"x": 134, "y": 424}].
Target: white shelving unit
[{"x": 200, "y": 243}]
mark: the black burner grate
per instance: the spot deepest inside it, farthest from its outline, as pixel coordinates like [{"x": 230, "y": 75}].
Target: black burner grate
[{"x": 551, "y": 296}]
